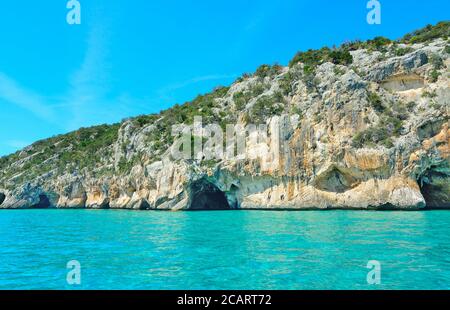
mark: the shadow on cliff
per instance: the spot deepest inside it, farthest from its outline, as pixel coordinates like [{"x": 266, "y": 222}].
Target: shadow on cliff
[{"x": 2, "y": 198}]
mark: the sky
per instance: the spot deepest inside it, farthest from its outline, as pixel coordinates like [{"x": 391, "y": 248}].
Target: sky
[{"x": 135, "y": 57}]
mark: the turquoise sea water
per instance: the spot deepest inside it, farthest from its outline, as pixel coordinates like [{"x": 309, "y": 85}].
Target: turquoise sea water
[{"x": 224, "y": 250}]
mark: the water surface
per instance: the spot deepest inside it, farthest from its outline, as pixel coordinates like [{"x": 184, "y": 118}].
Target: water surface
[{"x": 224, "y": 249}]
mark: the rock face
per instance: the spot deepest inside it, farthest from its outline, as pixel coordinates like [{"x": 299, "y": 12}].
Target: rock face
[{"x": 370, "y": 134}]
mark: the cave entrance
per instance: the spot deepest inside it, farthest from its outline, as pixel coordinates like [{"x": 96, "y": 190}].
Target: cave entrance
[
  {"x": 207, "y": 196},
  {"x": 43, "y": 203},
  {"x": 436, "y": 195},
  {"x": 435, "y": 187},
  {"x": 2, "y": 198}
]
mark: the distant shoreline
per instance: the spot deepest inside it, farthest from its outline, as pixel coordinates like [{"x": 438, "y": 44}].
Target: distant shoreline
[{"x": 238, "y": 210}]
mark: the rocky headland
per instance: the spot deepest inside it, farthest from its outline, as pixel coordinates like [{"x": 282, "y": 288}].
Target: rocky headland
[{"x": 361, "y": 126}]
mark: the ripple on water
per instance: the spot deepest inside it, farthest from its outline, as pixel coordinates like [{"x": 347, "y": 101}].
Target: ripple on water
[{"x": 224, "y": 250}]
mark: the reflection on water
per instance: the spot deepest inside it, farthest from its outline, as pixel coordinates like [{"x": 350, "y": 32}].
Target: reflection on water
[{"x": 224, "y": 250}]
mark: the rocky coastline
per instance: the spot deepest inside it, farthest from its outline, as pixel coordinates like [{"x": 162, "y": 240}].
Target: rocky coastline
[{"x": 364, "y": 129}]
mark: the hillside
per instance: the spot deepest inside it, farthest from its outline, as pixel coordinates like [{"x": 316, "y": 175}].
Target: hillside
[{"x": 364, "y": 125}]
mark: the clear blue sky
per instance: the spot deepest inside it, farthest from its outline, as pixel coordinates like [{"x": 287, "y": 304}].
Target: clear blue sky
[{"x": 140, "y": 56}]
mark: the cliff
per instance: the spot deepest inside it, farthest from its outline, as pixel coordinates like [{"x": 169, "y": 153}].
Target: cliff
[{"x": 362, "y": 126}]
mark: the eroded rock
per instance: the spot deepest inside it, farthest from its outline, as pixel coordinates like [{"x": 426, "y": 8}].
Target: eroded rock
[{"x": 312, "y": 161}]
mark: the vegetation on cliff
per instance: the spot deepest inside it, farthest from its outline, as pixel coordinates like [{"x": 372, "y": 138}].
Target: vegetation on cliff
[{"x": 383, "y": 95}]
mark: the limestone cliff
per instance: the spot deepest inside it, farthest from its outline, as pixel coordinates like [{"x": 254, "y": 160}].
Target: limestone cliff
[{"x": 365, "y": 125}]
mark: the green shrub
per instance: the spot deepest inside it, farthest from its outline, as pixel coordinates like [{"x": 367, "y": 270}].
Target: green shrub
[
  {"x": 314, "y": 58},
  {"x": 296, "y": 110},
  {"x": 434, "y": 75},
  {"x": 429, "y": 94},
  {"x": 375, "y": 102},
  {"x": 354, "y": 45},
  {"x": 286, "y": 83},
  {"x": 389, "y": 125},
  {"x": 338, "y": 71},
  {"x": 341, "y": 57},
  {"x": 311, "y": 58},
  {"x": 447, "y": 49},
  {"x": 288, "y": 80},
  {"x": 124, "y": 165},
  {"x": 372, "y": 137},
  {"x": 267, "y": 106},
  {"x": 411, "y": 106},
  {"x": 378, "y": 44},
  {"x": 387, "y": 142},
  {"x": 309, "y": 70},
  {"x": 309, "y": 77},
  {"x": 369, "y": 137},
  {"x": 430, "y": 32},
  {"x": 403, "y": 51},
  {"x": 399, "y": 110},
  {"x": 143, "y": 120},
  {"x": 437, "y": 62},
  {"x": 393, "y": 124},
  {"x": 241, "y": 99},
  {"x": 258, "y": 89},
  {"x": 268, "y": 70},
  {"x": 243, "y": 77}
]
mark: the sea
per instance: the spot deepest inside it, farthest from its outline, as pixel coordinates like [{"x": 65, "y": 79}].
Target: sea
[{"x": 257, "y": 250}]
